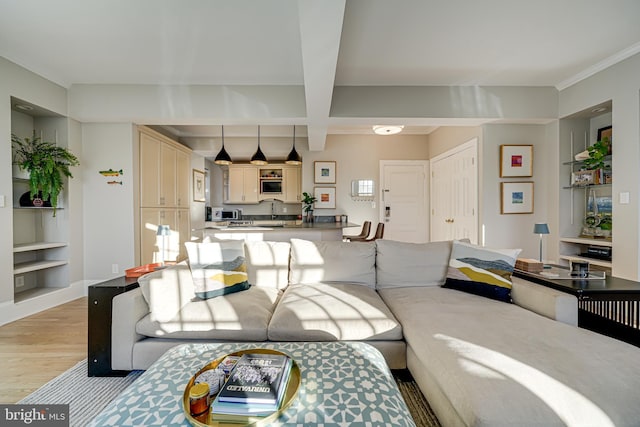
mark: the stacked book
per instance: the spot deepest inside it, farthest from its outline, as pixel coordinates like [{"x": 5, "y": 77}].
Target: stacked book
[
  {"x": 255, "y": 388},
  {"x": 530, "y": 265}
]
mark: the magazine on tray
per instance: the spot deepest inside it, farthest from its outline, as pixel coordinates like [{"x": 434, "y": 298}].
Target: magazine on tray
[{"x": 257, "y": 378}]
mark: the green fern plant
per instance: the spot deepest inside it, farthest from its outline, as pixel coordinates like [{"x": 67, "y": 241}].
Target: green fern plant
[
  {"x": 597, "y": 153},
  {"x": 48, "y": 165}
]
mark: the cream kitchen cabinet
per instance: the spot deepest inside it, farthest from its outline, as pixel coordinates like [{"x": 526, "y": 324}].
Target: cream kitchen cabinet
[
  {"x": 165, "y": 174},
  {"x": 164, "y": 171},
  {"x": 291, "y": 184},
  {"x": 152, "y": 247},
  {"x": 241, "y": 184}
]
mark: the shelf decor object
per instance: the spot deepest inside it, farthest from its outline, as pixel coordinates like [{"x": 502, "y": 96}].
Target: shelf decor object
[
  {"x": 324, "y": 172},
  {"x": 516, "y": 197},
  {"x": 198, "y": 186},
  {"x": 48, "y": 165},
  {"x": 540, "y": 228},
  {"x": 516, "y": 161}
]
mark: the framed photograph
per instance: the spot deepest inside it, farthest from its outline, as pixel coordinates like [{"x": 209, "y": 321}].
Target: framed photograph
[
  {"x": 582, "y": 178},
  {"x": 606, "y": 131},
  {"x": 198, "y": 186},
  {"x": 325, "y": 197},
  {"x": 324, "y": 172},
  {"x": 516, "y": 161},
  {"x": 516, "y": 197}
]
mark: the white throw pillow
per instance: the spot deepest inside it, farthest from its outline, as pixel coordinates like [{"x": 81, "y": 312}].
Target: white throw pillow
[
  {"x": 333, "y": 261},
  {"x": 218, "y": 268},
  {"x": 402, "y": 264}
]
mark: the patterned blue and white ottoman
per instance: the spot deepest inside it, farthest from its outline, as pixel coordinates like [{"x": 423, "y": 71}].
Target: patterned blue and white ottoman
[{"x": 342, "y": 384}]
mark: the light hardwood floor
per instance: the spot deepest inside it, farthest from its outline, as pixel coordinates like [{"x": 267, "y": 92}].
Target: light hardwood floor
[{"x": 40, "y": 347}]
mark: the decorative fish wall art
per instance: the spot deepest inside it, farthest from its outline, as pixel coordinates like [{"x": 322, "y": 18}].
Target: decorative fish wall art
[{"x": 111, "y": 172}]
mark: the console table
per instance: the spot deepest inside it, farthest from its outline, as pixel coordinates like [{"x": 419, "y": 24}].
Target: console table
[
  {"x": 610, "y": 306},
  {"x": 100, "y": 316}
]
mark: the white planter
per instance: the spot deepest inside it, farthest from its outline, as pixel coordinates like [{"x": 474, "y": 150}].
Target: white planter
[{"x": 20, "y": 173}]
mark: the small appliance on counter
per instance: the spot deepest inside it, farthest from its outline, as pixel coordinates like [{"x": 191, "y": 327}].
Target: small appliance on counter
[
  {"x": 222, "y": 214},
  {"x": 208, "y": 214}
]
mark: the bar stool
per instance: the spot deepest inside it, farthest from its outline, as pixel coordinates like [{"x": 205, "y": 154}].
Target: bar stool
[
  {"x": 366, "y": 227},
  {"x": 379, "y": 233}
]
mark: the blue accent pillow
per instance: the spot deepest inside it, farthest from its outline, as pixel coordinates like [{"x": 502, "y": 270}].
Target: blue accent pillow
[{"x": 481, "y": 271}]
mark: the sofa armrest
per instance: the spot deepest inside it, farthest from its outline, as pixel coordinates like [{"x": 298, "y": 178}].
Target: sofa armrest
[
  {"x": 545, "y": 301},
  {"x": 128, "y": 308}
]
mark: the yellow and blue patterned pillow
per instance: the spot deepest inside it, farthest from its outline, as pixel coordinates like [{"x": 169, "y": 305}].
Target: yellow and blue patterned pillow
[
  {"x": 481, "y": 271},
  {"x": 217, "y": 268}
]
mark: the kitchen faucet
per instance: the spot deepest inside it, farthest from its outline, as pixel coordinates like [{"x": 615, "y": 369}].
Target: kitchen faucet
[{"x": 273, "y": 207}]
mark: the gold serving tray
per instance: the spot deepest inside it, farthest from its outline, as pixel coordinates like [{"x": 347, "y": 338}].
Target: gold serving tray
[{"x": 289, "y": 395}]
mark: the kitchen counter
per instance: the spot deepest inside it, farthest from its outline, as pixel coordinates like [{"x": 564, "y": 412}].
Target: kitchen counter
[{"x": 276, "y": 230}]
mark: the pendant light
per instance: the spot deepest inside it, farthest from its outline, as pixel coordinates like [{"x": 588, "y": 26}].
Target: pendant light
[
  {"x": 223, "y": 157},
  {"x": 258, "y": 157},
  {"x": 294, "y": 158}
]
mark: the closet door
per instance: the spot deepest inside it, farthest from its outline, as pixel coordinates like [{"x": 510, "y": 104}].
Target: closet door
[{"x": 454, "y": 194}]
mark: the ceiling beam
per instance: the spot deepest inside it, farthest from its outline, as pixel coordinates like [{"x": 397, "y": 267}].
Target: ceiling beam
[{"x": 320, "y": 32}]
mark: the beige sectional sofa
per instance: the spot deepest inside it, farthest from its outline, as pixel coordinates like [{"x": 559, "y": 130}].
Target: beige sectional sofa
[{"x": 479, "y": 362}]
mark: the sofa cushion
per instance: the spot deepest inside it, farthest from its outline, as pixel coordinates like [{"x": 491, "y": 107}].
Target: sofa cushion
[
  {"x": 241, "y": 316},
  {"x": 330, "y": 312},
  {"x": 401, "y": 264},
  {"x": 166, "y": 291},
  {"x": 481, "y": 271},
  {"x": 218, "y": 268},
  {"x": 333, "y": 261},
  {"x": 268, "y": 263}
]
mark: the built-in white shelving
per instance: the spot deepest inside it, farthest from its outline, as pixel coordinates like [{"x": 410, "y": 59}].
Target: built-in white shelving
[
  {"x": 26, "y": 247},
  {"x": 27, "y": 267}
]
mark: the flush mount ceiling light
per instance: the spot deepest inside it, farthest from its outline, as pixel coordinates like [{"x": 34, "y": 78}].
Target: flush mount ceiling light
[
  {"x": 599, "y": 110},
  {"x": 387, "y": 129},
  {"x": 294, "y": 158},
  {"x": 258, "y": 157},
  {"x": 223, "y": 157}
]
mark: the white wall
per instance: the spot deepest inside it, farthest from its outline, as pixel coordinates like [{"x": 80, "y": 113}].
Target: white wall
[
  {"x": 108, "y": 209},
  {"x": 515, "y": 230},
  {"x": 358, "y": 157}
]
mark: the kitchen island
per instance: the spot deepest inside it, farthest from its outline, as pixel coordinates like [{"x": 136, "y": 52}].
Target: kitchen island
[{"x": 275, "y": 230}]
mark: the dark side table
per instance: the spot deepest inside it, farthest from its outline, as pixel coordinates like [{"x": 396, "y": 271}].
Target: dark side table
[
  {"x": 610, "y": 306},
  {"x": 100, "y": 320}
]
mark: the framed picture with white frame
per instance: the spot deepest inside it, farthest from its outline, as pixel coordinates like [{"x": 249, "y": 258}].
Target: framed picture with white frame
[
  {"x": 516, "y": 197},
  {"x": 516, "y": 161},
  {"x": 324, "y": 172},
  {"x": 325, "y": 197}
]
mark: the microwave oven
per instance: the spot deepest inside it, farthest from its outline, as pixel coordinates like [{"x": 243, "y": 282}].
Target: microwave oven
[
  {"x": 221, "y": 214},
  {"x": 272, "y": 186}
]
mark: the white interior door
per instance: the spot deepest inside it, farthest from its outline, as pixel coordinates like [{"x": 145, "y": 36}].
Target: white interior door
[
  {"x": 454, "y": 194},
  {"x": 404, "y": 208}
]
